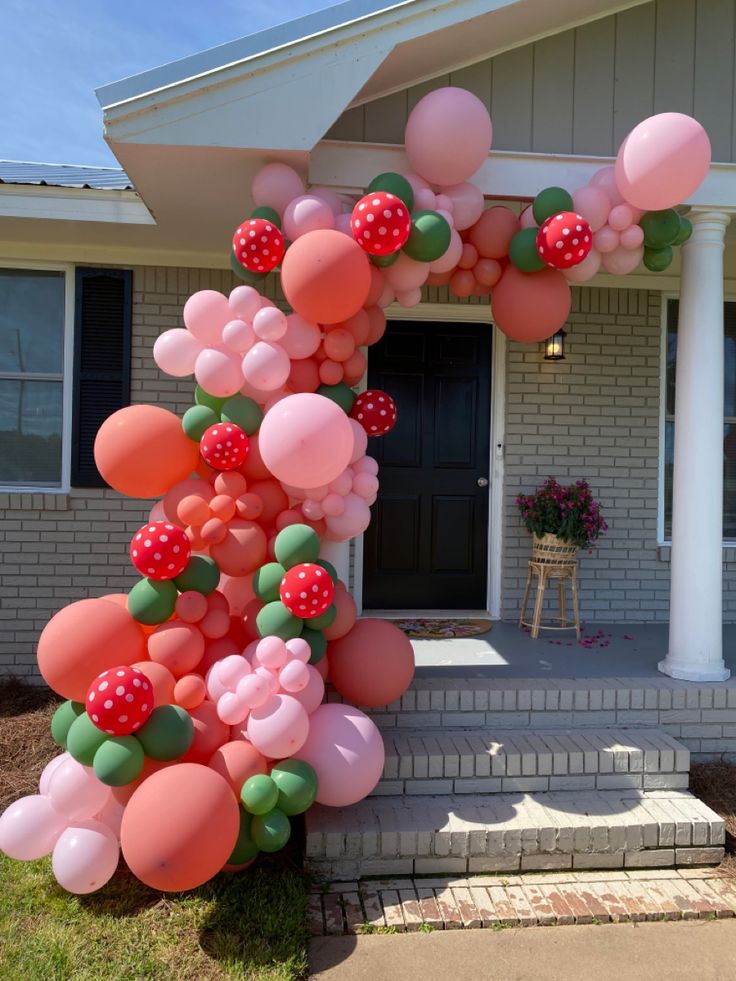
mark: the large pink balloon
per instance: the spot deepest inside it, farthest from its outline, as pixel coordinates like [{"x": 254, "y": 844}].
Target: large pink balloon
[
  {"x": 85, "y": 857},
  {"x": 346, "y": 750},
  {"x": 205, "y": 314},
  {"x": 275, "y": 185},
  {"x": 662, "y": 161},
  {"x": 307, "y": 213},
  {"x": 448, "y": 136},
  {"x": 529, "y": 307},
  {"x": 279, "y": 728},
  {"x": 593, "y": 204},
  {"x": 30, "y": 828},
  {"x": 175, "y": 352},
  {"x": 306, "y": 440}
]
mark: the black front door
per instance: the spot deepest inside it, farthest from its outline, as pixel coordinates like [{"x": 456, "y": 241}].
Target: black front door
[{"x": 427, "y": 545}]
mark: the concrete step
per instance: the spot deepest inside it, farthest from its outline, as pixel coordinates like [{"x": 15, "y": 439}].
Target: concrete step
[
  {"x": 459, "y": 834},
  {"x": 475, "y": 761}
]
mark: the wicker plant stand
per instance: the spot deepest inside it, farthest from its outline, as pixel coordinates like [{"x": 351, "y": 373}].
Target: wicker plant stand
[{"x": 552, "y": 559}]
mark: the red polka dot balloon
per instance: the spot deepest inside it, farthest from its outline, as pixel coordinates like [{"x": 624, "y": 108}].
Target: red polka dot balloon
[
  {"x": 564, "y": 240},
  {"x": 120, "y": 700},
  {"x": 224, "y": 446},
  {"x": 375, "y": 411},
  {"x": 258, "y": 245},
  {"x": 307, "y": 590},
  {"x": 160, "y": 550},
  {"x": 381, "y": 223}
]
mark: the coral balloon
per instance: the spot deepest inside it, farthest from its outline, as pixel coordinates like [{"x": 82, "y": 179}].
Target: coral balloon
[
  {"x": 529, "y": 307},
  {"x": 177, "y": 646},
  {"x": 209, "y": 733},
  {"x": 492, "y": 233},
  {"x": 190, "y": 691},
  {"x": 347, "y": 613},
  {"x": 242, "y": 550},
  {"x": 326, "y": 276},
  {"x": 389, "y": 653},
  {"x": 237, "y": 762},
  {"x": 162, "y": 680},
  {"x": 448, "y": 135}
]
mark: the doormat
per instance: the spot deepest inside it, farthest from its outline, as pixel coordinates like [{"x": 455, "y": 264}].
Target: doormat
[{"x": 442, "y": 629}]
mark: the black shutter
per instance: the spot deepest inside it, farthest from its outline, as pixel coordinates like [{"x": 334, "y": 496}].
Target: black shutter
[{"x": 102, "y": 342}]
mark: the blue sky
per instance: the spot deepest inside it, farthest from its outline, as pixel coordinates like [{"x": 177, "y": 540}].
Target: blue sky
[{"x": 53, "y": 55}]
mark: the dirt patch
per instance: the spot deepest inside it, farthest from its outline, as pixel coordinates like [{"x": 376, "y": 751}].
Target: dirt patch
[
  {"x": 26, "y": 745},
  {"x": 715, "y": 783}
]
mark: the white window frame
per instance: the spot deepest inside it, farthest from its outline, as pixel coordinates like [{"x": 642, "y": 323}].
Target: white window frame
[
  {"x": 662, "y": 540},
  {"x": 68, "y": 270}
]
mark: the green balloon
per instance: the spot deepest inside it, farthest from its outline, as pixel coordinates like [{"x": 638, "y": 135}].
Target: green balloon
[
  {"x": 297, "y": 784},
  {"x": 63, "y": 719},
  {"x": 198, "y": 419},
  {"x": 429, "y": 237},
  {"x": 329, "y": 567},
  {"x": 657, "y": 260},
  {"x": 204, "y": 398},
  {"x": 202, "y": 574},
  {"x": 245, "y": 848},
  {"x": 267, "y": 580},
  {"x": 119, "y": 761},
  {"x": 152, "y": 602},
  {"x": 84, "y": 739},
  {"x": 317, "y": 642},
  {"x": 259, "y": 794},
  {"x": 167, "y": 734},
  {"x": 296, "y": 544},
  {"x": 245, "y": 274},
  {"x": 325, "y": 619},
  {"x": 523, "y": 251},
  {"x": 274, "y": 620},
  {"x": 660, "y": 228},
  {"x": 244, "y": 412},
  {"x": 551, "y": 201},
  {"x": 384, "y": 261},
  {"x": 341, "y": 393},
  {"x": 393, "y": 184},
  {"x": 268, "y": 214},
  {"x": 270, "y": 831},
  {"x": 686, "y": 230}
]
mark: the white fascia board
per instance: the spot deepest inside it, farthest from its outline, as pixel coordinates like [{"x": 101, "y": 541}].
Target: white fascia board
[{"x": 73, "y": 204}]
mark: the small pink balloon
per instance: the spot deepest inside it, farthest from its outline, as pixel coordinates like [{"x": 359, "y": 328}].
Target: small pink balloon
[
  {"x": 294, "y": 677},
  {"x": 270, "y": 677},
  {"x": 298, "y": 648},
  {"x": 271, "y": 653},
  {"x": 313, "y": 510},
  {"x": 584, "y": 270},
  {"x": 406, "y": 273},
  {"x": 365, "y": 485},
  {"x": 238, "y": 336},
  {"x": 632, "y": 237},
  {"x": 253, "y": 690},
  {"x": 266, "y": 366},
  {"x": 526, "y": 218},
  {"x": 343, "y": 223},
  {"x": 353, "y": 521},
  {"x": 333, "y": 504},
  {"x": 366, "y": 464},
  {"x": 175, "y": 352},
  {"x": 622, "y": 261},
  {"x": 416, "y": 182},
  {"x": 307, "y": 213},
  {"x": 279, "y": 728},
  {"x": 157, "y": 512},
  {"x": 231, "y": 709},
  {"x": 312, "y": 696},
  {"x": 444, "y": 203},
  {"x": 205, "y": 315},
  {"x": 275, "y": 185},
  {"x": 593, "y": 204},
  {"x": 361, "y": 440},
  {"x": 425, "y": 200},
  {"x": 606, "y": 239},
  {"x": 467, "y": 203},
  {"x": 85, "y": 857},
  {"x": 341, "y": 485},
  {"x": 269, "y": 324},
  {"x": 111, "y": 815},
  {"x": 45, "y": 778},
  {"x": 301, "y": 337},
  {"x": 451, "y": 256},
  {"x": 332, "y": 198},
  {"x": 75, "y": 791},
  {"x": 245, "y": 302},
  {"x": 621, "y": 217},
  {"x": 387, "y": 297},
  {"x": 409, "y": 298},
  {"x": 218, "y": 372},
  {"x": 30, "y": 828},
  {"x": 605, "y": 179},
  {"x": 447, "y": 215},
  {"x": 230, "y": 670}
]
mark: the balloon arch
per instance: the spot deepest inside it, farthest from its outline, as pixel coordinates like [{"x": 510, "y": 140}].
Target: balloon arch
[{"x": 195, "y": 724}]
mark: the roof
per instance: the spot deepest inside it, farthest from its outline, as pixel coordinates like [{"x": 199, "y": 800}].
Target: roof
[{"x": 64, "y": 175}]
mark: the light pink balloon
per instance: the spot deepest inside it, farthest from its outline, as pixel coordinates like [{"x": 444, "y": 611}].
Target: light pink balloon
[
  {"x": 307, "y": 213},
  {"x": 279, "y": 728},
  {"x": 157, "y": 512},
  {"x": 111, "y": 815},
  {"x": 406, "y": 273},
  {"x": 76, "y": 792},
  {"x": 341, "y": 484},
  {"x": 621, "y": 217},
  {"x": 254, "y": 690},
  {"x": 662, "y": 161},
  {"x": 301, "y": 338},
  {"x": 245, "y": 302},
  {"x": 447, "y": 215},
  {"x": 306, "y": 440},
  {"x": 425, "y": 199},
  {"x": 332, "y": 198},
  {"x": 451, "y": 256},
  {"x": 238, "y": 336},
  {"x": 387, "y": 297},
  {"x": 632, "y": 237},
  {"x": 346, "y": 750},
  {"x": 366, "y": 464},
  {"x": 269, "y": 324},
  {"x": 448, "y": 136},
  {"x": 45, "y": 778},
  {"x": 85, "y": 857},
  {"x": 275, "y": 185},
  {"x": 266, "y": 366},
  {"x": 606, "y": 239},
  {"x": 311, "y": 696},
  {"x": 231, "y": 709},
  {"x": 175, "y": 352},
  {"x": 526, "y": 218},
  {"x": 312, "y": 510},
  {"x": 417, "y": 182},
  {"x": 270, "y": 677},
  {"x": 343, "y": 223},
  {"x": 622, "y": 261},
  {"x": 605, "y": 180},
  {"x": 353, "y": 521},
  {"x": 365, "y": 485},
  {"x": 467, "y": 203},
  {"x": 584, "y": 270},
  {"x": 298, "y": 648},
  {"x": 205, "y": 315},
  {"x": 218, "y": 372},
  {"x": 409, "y": 298},
  {"x": 271, "y": 652},
  {"x": 333, "y": 504},
  {"x": 30, "y": 828},
  {"x": 225, "y": 674},
  {"x": 593, "y": 204},
  {"x": 294, "y": 677},
  {"x": 361, "y": 440}
]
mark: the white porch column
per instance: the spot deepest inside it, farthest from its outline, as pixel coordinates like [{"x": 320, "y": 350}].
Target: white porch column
[
  {"x": 696, "y": 590},
  {"x": 338, "y": 553}
]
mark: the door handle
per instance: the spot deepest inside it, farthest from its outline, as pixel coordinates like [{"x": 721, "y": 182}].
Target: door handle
[{"x": 482, "y": 482}]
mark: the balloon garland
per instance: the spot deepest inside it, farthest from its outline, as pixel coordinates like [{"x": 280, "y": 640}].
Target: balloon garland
[{"x": 194, "y": 725}]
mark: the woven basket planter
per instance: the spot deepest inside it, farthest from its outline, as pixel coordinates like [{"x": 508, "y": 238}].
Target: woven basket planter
[{"x": 551, "y": 550}]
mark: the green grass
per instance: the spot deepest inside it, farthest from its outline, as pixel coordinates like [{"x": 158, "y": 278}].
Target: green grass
[{"x": 242, "y": 926}]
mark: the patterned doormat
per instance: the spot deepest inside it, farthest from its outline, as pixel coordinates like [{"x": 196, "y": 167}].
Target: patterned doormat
[{"x": 422, "y": 628}]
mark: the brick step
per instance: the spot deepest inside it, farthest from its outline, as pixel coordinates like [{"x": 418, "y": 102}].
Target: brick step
[
  {"x": 459, "y": 834},
  {"x": 475, "y": 761}
]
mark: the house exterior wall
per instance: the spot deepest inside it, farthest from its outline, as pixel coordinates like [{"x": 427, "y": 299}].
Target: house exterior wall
[{"x": 582, "y": 91}]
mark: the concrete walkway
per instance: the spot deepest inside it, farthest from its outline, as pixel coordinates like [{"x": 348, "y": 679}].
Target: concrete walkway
[{"x": 683, "y": 951}]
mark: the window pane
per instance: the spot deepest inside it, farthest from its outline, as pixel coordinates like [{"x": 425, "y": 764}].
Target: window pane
[
  {"x": 669, "y": 456},
  {"x": 729, "y": 481},
  {"x": 31, "y": 321},
  {"x": 671, "y": 354},
  {"x": 730, "y": 362},
  {"x": 30, "y": 432}
]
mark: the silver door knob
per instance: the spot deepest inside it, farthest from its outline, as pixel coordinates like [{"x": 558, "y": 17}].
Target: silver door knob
[{"x": 482, "y": 482}]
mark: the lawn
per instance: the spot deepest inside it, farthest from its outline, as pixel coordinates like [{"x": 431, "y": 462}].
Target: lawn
[{"x": 246, "y": 926}]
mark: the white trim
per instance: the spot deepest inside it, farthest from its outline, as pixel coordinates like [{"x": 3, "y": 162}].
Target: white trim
[
  {"x": 73, "y": 204},
  {"x": 67, "y": 380}
]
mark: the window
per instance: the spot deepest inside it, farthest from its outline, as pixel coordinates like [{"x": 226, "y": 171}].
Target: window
[
  {"x": 729, "y": 419},
  {"x": 32, "y": 346}
]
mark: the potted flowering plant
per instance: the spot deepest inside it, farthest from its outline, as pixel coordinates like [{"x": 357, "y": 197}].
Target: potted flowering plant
[{"x": 568, "y": 513}]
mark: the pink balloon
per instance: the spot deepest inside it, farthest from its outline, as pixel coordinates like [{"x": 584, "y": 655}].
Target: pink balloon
[
  {"x": 312, "y": 510},
  {"x": 409, "y": 298},
  {"x": 444, "y": 203},
  {"x": 307, "y": 213},
  {"x": 417, "y": 182},
  {"x": 622, "y": 261},
  {"x": 175, "y": 352},
  {"x": 332, "y": 198},
  {"x": 157, "y": 512},
  {"x": 294, "y": 677},
  {"x": 526, "y": 218},
  {"x": 266, "y": 366},
  {"x": 270, "y": 677},
  {"x": 366, "y": 464},
  {"x": 301, "y": 338},
  {"x": 238, "y": 336},
  {"x": 205, "y": 314},
  {"x": 306, "y": 440},
  {"x": 218, "y": 372},
  {"x": 451, "y": 256},
  {"x": 111, "y": 815},
  {"x": 606, "y": 239},
  {"x": 271, "y": 652},
  {"x": 448, "y": 135},
  {"x": 467, "y": 203},
  {"x": 662, "y": 161},
  {"x": 269, "y": 324},
  {"x": 85, "y": 857},
  {"x": 45, "y": 778},
  {"x": 346, "y": 750},
  {"x": 279, "y": 728},
  {"x": 632, "y": 237},
  {"x": 343, "y": 223},
  {"x": 254, "y": 690},
  {"x": 75, "y": 791},
  {"x": 275, "y": 185},
  {"x": 387, "y": 297},
  {"x": 361, "y": 440},
  {"x": 365, "y": 485},
  {"x": 245, "y": 302},
  {"x": 406, "y": 273},
  {"x": 30, "y": 828},
  {"x": 333, "y": 504},
  {"x": 621, "y": 217},
  {"x": 425, "y": 199},
  {"x": 311, "y": 696},
  {"x": 354, "y": 519},
  {"x": 605, "y": 180},
  {"x": 584, "y": 270},
  {"x": 231, "y": 709},
  {"x": 341, "y": 484},
  {"x": 298, "y": 648},
  {"x": 592, "y": 203}
]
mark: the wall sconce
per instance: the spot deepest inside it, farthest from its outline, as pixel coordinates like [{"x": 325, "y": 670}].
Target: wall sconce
[{"x": 554, "y": 346}]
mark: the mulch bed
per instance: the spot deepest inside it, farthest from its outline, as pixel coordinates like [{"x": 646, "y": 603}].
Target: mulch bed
[
  {"x": 26, "y": 745},
  {"x": 715, "y": 783}
]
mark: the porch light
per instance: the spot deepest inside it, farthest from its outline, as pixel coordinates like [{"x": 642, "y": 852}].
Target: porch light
[{"x": 554, "y": 346}]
